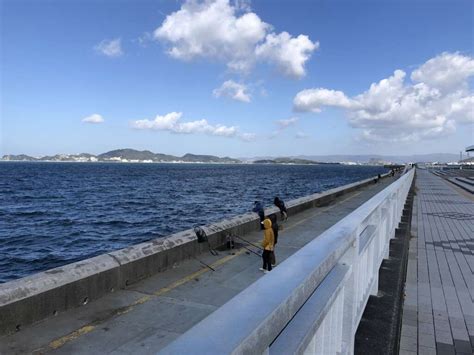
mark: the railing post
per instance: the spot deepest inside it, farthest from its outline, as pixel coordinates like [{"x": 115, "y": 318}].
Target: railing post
[{"x": 349, "y": 305}]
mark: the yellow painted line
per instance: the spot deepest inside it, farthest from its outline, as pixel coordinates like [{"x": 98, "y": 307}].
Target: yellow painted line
[
  {"x": 137, "y": 302},
  {"x": 55, "y": 344},
  {"x": 197, "y": 273}
]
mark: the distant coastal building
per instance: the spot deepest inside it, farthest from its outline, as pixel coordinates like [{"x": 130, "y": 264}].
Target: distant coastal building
[{"x": 374, "y": 161}]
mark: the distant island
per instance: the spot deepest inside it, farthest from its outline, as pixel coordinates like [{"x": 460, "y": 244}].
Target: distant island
[
  {"x": 125, "y": 156},
  {"x": 145, "y": 156},
  {"x": 288, "y": 161}
]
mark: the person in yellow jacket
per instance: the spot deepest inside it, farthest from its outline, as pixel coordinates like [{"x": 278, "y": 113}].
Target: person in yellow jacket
[{"x": 267, "y": 244}]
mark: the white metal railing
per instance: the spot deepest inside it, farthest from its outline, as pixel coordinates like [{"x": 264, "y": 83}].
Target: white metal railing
[{"x": 313, "y": 302}]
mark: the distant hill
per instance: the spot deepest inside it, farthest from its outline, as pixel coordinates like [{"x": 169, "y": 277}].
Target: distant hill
[
  {"x": 285, "y": 161},
  {"x": 19, "y": 157},
  {"x": 125, "y": 155},
  {"x": 132, "y": 154},
  {"x": 207, "y": 158},
  {"x": 146, "y": 155}
]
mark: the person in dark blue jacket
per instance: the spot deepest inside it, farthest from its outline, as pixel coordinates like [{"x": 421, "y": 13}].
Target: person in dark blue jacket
[
  {"x": 281, "y": 205},
  {"x": 258, "y": 209}
]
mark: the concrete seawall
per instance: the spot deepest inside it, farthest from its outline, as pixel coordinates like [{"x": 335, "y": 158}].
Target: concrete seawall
[{"x": 42, "y": 295}]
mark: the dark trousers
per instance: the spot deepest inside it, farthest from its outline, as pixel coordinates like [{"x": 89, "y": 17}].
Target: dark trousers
[{"x": 267, "y": 265}]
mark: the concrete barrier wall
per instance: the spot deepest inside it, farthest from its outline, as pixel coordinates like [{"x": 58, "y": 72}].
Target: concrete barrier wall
[{"x": 43, "y": 295}]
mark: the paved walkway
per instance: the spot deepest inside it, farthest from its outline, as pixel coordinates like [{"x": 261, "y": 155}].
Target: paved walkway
[
  {"x": 150, "y": 314},
  {"x": 438, "y": 314}
]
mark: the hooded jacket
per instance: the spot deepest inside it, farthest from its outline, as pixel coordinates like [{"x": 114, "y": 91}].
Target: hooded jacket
[
  {"x": 258, "y": 207},
  {"x": 268, "y": 237}
]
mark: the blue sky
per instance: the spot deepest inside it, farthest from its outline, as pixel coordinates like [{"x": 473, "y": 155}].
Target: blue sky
[{"x": 149, "y": 72}]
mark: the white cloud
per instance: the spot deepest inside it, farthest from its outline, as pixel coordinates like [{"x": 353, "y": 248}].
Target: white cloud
[
  {"x": 242, "y": 5},
  {"x": 288, "y": 53},
  {"x": 462, "y": 110},
  {"x": 171, "y": 123},
  {"x": 233, "y": 90},
  {"x": 94, "y": 118},
  {"x": 287, "y": 122},
  {"x": 110, "y": 48},
  {"x": 392, "y": 110},
  {"x": 219, "y": 30},
  {"x": 446, "y": 72},
  {"x": 313, "y": 99}
]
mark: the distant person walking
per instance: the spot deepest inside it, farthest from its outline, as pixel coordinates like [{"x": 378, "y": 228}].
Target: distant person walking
[
  {"x": 258, "y": 209},
  {"x": 281, "y": 205},
  {"x": 268, "y": 244}
]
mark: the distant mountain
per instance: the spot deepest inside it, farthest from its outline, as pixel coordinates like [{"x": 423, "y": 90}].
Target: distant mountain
[
  {"x": 126, "y": 155},
  {"x": 285, "y": 161},
  {"x": 19, "y": 157},
  {"x": 132, "y": 154},
  {"x": 146, "y": 155},
  {"x": 67, "y": 157},
  {"x": 207, "y": 158}
]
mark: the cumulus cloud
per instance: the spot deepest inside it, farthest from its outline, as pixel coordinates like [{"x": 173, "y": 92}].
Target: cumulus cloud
[
  {"x": 313, "y": 99},
  {"x": 171, "y": 122},
  {"x": 94, "y": 118},
  {"x": 436, "y": 100},
  {"x": 446, "y": 72},
  {"x": 288, "y": 53},
  {"x": 233, "y": 90},
  {"x": 231, "y": 33},
  {"x": 110, "y": 48}
]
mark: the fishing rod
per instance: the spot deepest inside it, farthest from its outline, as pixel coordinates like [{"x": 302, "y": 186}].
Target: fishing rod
[
  {"x": 203, "y": 263},
  {"x": 247, "y": 248},
  {"x": 250, "y": 243},
  {"x": 250, "y": 250}
]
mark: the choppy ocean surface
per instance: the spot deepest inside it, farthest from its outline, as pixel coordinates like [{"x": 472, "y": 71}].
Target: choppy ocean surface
[{"x": 52, "y": 214}]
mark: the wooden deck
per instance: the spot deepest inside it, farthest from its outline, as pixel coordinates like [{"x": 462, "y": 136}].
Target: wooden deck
[{"x": 438, "y": 313}]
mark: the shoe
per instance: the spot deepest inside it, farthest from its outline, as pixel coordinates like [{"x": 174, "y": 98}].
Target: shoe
[
  {"x": 266, "y": 271},
  {"x": 261, "y": 269}
]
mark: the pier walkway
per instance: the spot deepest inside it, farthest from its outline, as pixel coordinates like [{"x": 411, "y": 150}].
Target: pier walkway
[
  {"x": 438, "y": 313},
  {"x": 148, "y": 315}
]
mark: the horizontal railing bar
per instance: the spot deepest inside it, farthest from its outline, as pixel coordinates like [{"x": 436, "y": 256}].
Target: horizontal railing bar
[
  {"x": 366, "y": 236},
  {"x": 297, "y": 334}
]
